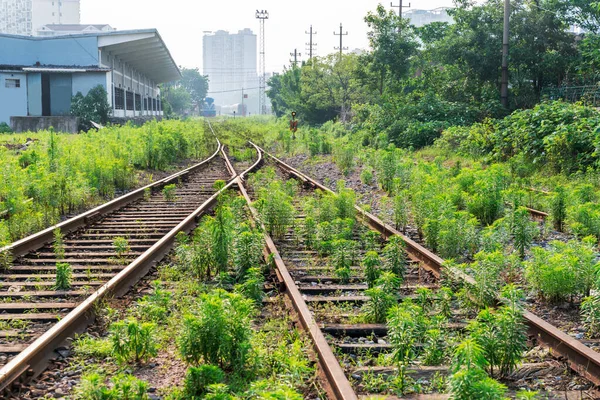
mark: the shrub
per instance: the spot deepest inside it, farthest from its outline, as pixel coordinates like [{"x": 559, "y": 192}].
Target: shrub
[
  {"x": 401, "y": 211},
  {"x": 457, "y": 235},
  {"x": 386, "y": 170},
  {"x": 523, "y": 230},
  {"x": 487, "y": 274},
  {"x": 133, "y": 341},
  {"x": 344, "y": 158},
  {"x": 585, "y": 219},
  {"x": 91, "y": 107},
  {"x": 563, "y": 270},
  {"x": 63, "y": 276},
  {"x": 371, "y": 240},
  {"x": 344, "y": 201},
  {"x": 156, "y": 306},
  {"x": 5, "y": 128},
  {"x": 221, "y": 233},
  {"x": 198, "y": 379},
  {"x": 219, "y": 331},
  {"x": 252, "y": 286},
  {"x": 366, "y": 175}
]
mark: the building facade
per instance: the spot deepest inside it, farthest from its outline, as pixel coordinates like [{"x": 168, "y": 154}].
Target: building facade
[
  {"x": 39, "y": 76},
  {"x": 420, "y": 18},
  {"x": 72, "y": 29},
  {"x": 26, "y": 17},
  {"x": 229, "y": 60}
]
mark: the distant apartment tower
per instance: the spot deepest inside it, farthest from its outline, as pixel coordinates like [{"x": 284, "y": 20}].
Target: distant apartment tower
[
  {"x": 229, "y": 60},
  {"x": 420, "y": 18},
  {"x": 26, "y": 17}
]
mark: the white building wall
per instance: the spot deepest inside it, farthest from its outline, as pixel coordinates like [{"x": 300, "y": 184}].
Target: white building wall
[{"x": 44, "y": 12}]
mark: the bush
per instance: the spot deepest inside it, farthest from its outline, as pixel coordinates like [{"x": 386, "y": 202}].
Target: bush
[
  {"x": 564, "y": 270},
  {"x": 394, "y": 256},
  {"x": 198, "y": 379},
  {"x": 133, "y": 341},
  {"x": 91, "y": 107},
  {"x": 63, "y": 276},
  {"x": 93, "y": 387},
  {"x": 276, "y": 209},
  {"x": 247, "y": 251},
  {"x": 590, "y": 315},
  {"x": 366, "y": 175},
  {"x": 5, "y": 128},
  {"x": 219, "y": 331}
]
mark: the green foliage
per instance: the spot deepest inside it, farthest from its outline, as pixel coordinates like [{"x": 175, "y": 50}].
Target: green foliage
[
  {"x": 93, "y": 107},
  {"x": 371, "y": 264},
  {"x": 123, "y": 387},
  {"x": 5, "y": 128},
  {"x": 344, "y": 201},
  {"x": 198, "y": 379},
  {"x": 63, "y": 276},
  {"x": 487, "y": 274},
  {"x": 344, "y": 158},
  {"x": 275, "y": 208},
  {"x": 394, "y": 256},
  {"x": 58, "y": 245},
  {"x": 524, "y": 231},
  {"x": 156, "y": 306},
  {"x": 366, "y": 175},
  {"x": 218, "y": 332},
  {"x": 401, "y": 212},
  {"x": 584, "y": 219},
  {"x": 133, "y": 341},
  {"x": 559, "y": 209},
  {"x": 247, "y": 251},
  {"x": 121, "y": 246},
  {"x": 168, "y": 192},
  {"x": 252, "y": 285},
  {"x": 563, "y": 270},
  {"x": 590, "y": 315},
  {"x": 221, "y": 233}
]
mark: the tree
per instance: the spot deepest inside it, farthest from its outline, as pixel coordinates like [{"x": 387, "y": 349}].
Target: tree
[
  {"x": 91, "y": 107},
  {"x": 176, "y": 100},
  {"x": 195, "y": 84}
]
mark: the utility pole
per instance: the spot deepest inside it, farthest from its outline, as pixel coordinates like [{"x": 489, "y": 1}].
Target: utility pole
[
  {"x": 311, "y": 45},
  {"x": 504, "y": 84},
  {"x": 295, "y": 54},
  {"x": 262, "y": 79},
  {"x": 399, "y": 7},
  {"x": 341, "y": 35}
]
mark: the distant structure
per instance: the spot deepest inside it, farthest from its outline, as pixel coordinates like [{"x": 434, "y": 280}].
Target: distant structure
[
  {"x": 26, "y": 17},
  {"x": 420, "y": 18},
  {"x": 230, "y": 61},
  {"x": 40, "y": 75},
  {"x": 72, "y": 29}
]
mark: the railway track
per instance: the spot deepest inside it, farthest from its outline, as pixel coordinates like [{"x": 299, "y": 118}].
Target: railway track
[
  {"x": 328, "y": 307},
  {"x": 37, "y": 319}
]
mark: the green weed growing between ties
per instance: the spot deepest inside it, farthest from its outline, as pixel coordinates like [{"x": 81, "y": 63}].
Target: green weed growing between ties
[{"x": 63, "y": 276}]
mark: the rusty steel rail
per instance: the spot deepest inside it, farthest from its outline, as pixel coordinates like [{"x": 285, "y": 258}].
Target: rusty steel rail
[
  {"x": 32, "y": 361},
  {"x": 339, "y": 386},
  {"x": 580, "y": 357}
]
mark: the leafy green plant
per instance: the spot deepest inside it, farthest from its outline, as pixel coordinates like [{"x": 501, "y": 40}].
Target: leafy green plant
[
  {"x": 469, "y": 379},
  {"x": 253, "y": 285},
  {"x": 563, "y": 270},
  {"x": 344, "y": 158},
  {"x": 394, "y": 256},
  {"x": 156, "y": 306},
  {"x": 219, "y": 331},
  {"x": 247, "y": 251},
  {"x": 370, "y": 240},
  {"x": 366, "y": 175},
  {"x": 63, "y": 276},
  {"x": 58, "y": 245},
  {"x": 380, "y": 301},
  {"x": 121, "y": 246},
  {"x": 435, "y": 347},
  {"x": 559, "y": 208},
  {"x": 221, "y": 233},
  {"x": 133, "y": 341},
  {"x": 371, "y": 264},
  {"x": 524, "y": 231},
  {"x": 344, "y": 201},
  {"x": 169, "y": 192},
  {"x": 590, "y": 315},
  {"x": 123, "y": 387},
  {"x": 401, "y": 212},
  {"x": 198, "y": 379},
  {"x": 276, "y": 209}
]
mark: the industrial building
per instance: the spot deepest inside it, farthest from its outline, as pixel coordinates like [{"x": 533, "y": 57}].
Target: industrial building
[
  {"x": 72, "y": 29},
  {"x": 229, "y": 60},
  {"x": 40, "y": 75},
  {"x": 26, "y": 17}
]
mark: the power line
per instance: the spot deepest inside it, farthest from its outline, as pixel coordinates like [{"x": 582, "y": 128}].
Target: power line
[{"x": 295, "y": 54}]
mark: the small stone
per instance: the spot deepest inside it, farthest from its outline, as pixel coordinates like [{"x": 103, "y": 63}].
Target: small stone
[
  {"x": 579, "y": 336},
  {"x": 151, "y": 390},
  {"x": 152, "y": 365},
  {"x": 357, "y": 377},
  {"x": 381, "y": 341}
]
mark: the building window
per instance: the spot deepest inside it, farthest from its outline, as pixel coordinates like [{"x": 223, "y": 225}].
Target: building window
[
  {"x": 153, "y": 104},
  {"x": 145, "y": 104},
  {"x": 159, "y": 106},
  {"x": 12, "y": 83},
  {"x": 129, "y": 101},
  {"x": 138, "y": 102},
  {"x": 119, "y": 99}
]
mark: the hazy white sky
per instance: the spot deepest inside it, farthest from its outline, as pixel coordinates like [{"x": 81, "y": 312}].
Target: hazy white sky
[{"x": 181, "y": 22}]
